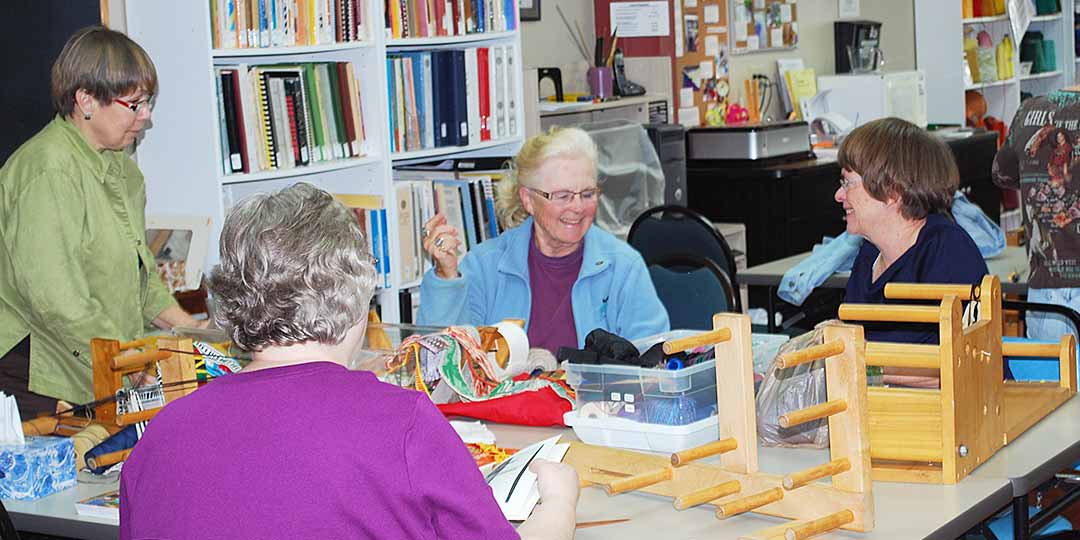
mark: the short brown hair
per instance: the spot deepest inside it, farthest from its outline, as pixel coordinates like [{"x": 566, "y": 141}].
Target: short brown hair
[
  {"x": 105, "y": 63},
  {"x": 899, "y": 159}
]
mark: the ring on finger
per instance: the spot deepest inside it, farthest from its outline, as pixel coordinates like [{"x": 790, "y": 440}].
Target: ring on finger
[{"x": 439, "y": 242}]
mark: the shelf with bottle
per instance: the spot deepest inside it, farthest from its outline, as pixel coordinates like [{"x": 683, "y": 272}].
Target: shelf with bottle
[
  {"x": 984, "y": 20},
  {"x": 1045, "y": 75},
  {"x": 989, "y": 84},
  {"x": 1046, "y": 18}
]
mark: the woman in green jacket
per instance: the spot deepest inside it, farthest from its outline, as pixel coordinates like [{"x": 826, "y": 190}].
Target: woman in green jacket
[{"x": 74, "y": 264}]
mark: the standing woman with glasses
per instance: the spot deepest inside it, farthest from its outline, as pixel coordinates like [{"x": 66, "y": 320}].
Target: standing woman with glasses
[
  {"x": 74, "y": 264},
  {"x": 552, "y": 266},
  {"x": 896, "y": 189}
]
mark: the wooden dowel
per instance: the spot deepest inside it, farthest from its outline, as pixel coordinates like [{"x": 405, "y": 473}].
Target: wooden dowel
[
  {"x": 799, "y": 479},
  {"x": 679, "y": 459},
  {"x": 927, "y": 291},
  {"x": 748, "y": 503},
  {"x": 698, "y": 340},
  {"x": 112, "y": 458},
  {"x": 703, "y": 496},
  {"x": 136, "y": 417},
  {"x": 909, "y": 355},
  {"x": 137, "y": 343},
  {"x": 637, "y": 481},
  {"x": 1044, "y": 350},
  {"x": 138, "y": 360},
  {"x": 809, "y": 354},
  {"x": 813, "y": 528},
  {"x": 814, "y": 412},
  {"x": 889, "y": 313}
]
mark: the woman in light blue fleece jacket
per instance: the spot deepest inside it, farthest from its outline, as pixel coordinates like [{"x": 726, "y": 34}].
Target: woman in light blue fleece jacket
[{"x": 551, "y": 267}]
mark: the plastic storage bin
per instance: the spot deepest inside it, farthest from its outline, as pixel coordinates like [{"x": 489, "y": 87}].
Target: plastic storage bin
[{"x": 652, "y": 409}]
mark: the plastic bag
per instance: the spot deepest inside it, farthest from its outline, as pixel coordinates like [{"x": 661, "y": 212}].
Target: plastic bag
[{"x": 791, "y": 389}]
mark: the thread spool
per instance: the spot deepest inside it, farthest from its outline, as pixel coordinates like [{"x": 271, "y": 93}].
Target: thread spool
[{"x": 89, "y": 437}]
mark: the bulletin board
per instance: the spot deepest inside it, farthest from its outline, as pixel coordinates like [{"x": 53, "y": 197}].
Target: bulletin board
[
  {"x": 763, "y": 25},
  {"x": 701, "y": 58}
]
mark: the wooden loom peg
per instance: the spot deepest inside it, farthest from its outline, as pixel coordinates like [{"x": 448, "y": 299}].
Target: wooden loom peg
[
  {"x": 112, "y": 458},
  {"x": 818, "y": 526},
  {"x": 750, "y": 502},
  {"x": 699, "y": 340},
  {"x": 638, "y": 481},
  {"x": 702, "y": 496},
  {"x": 809, "y": 354},
  {"x": 930, "y": 291},
  {"x": 137, "y": 361},
  {"x": 813, "y": 412},
  {"x": 888, "y": 313},
  {"x": 678, "y": 459},
  {"x": 799, "y": 479}
]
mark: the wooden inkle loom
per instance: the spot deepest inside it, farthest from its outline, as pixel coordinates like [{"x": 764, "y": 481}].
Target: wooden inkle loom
[
  {"x": 941, "y": 435},
  {"x": 175, "y": 360},
  {"x": 735, "y": 485}
]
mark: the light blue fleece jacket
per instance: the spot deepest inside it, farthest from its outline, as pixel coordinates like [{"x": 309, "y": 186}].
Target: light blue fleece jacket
[{"x": 613, "y": 291}]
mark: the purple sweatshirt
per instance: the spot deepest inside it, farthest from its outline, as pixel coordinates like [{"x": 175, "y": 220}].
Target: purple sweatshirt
[{"x": 305, "y": 451}]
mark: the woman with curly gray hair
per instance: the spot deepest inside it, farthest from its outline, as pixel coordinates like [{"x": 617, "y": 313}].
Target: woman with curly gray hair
[{"x": 315, "y": 450}]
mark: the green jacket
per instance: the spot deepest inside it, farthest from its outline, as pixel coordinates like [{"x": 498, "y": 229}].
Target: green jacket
[{"x": 74, "y": 264}]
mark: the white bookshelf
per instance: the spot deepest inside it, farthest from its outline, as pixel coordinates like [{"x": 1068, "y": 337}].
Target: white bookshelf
[
  {"x": 939, "y": 29},
  {"x": 180, "y": 155}
]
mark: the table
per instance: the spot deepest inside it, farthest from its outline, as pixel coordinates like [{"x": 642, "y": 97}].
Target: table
[
  {"x": 1034, "y": 457},
  {"x": 55, "y": 515},
  {"x": 908, "y": 511},
  {"x": 1011, "y": 267}
]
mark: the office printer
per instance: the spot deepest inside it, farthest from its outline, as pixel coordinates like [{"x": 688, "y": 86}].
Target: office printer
[{"x": 751, "y": 143}]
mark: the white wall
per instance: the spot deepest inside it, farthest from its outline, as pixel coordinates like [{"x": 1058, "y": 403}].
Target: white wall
[{"x": 547, "y": 43}]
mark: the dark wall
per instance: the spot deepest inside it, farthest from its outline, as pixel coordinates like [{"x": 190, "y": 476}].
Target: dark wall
[{"x": 34, "y": 32}]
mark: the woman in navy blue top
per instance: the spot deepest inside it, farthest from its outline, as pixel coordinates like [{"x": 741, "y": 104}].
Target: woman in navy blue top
[{"x": 896, "y": 189}]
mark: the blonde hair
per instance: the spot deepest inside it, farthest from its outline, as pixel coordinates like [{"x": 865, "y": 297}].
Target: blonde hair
[
  {"x": 557, "y": 142},
  {"x": 105, "y": 63}
]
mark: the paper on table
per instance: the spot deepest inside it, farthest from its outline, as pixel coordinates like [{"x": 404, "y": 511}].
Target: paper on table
[
  {"x": 10, "y": 421},
  {"x": 473, "y": 432},
  {"x": 514, "y": 485}
]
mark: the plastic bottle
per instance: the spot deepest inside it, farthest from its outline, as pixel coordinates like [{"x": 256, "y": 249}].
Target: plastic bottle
[
  {"x": 1001, "y": 59},
  {"x": 1009, "y": 53}
]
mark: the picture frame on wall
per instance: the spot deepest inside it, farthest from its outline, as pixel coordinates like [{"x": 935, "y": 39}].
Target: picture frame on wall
[{"x": 529, "y": 10}]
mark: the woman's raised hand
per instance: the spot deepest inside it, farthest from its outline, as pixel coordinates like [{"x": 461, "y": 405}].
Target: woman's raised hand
[{"x": 441, "y": 241}]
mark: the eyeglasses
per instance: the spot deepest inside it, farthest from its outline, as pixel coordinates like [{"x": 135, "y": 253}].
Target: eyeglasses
[
  {"x": 846, "y": 183},
  {"x": 565, "y": 196},
  {"x": 138, "y": 106}
]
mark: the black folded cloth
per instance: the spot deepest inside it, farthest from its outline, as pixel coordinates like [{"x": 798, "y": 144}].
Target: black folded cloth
[{"x": 603, "y": 347}]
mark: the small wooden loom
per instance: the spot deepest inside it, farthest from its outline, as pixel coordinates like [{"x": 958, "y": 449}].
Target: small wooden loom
[
  {"x": 177, "y": 370},
  {"x": 941, "y": 435},
  {"x": 735, "y": 485}
]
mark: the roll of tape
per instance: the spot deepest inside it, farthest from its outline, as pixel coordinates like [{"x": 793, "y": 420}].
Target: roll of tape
[{"x": 518, "y": 342}]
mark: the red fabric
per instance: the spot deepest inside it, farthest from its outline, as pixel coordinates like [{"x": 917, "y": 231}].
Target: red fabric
[{"x": 533, "y": 408}]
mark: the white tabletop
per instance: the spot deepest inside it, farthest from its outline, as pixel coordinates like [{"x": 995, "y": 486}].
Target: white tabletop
[
  {"x": 55, "y": 515},
  {"x": 907, "y": 511},
  {"x": 1048, "y": 447}
]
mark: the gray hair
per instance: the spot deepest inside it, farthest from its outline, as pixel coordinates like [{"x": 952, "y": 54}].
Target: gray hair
[
  {"x": 557, "y": 142},
  {"x": 294, "y": 268}
]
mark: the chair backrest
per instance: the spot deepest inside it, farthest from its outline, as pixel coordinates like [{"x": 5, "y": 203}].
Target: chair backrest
[
  {"x": 692, "y": 290},
  {"x": 7, "y": 528},
  {"x": 676, "y": 231}
]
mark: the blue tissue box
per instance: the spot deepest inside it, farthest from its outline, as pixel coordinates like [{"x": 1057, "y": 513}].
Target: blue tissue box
[{"x": 43, "y": 466}]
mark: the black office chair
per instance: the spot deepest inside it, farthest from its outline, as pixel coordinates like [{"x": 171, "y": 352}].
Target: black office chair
[
  {"x": 7, "y": 528},
  {"x": 692, "y": 290},
  {"x": 674, "y": 231}
]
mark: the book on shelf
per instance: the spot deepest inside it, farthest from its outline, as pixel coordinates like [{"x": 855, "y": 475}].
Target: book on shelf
[
  {"x": 243, "y": 24},
  {"x": 370, "y": 213},
  {"x": 467, "y": 202},
  {"x": 431, "y": 18},
  {"x": 105, "y": 505},
  {"x": 429, "y": 97},
  {"x": 282, "y": 116}
]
